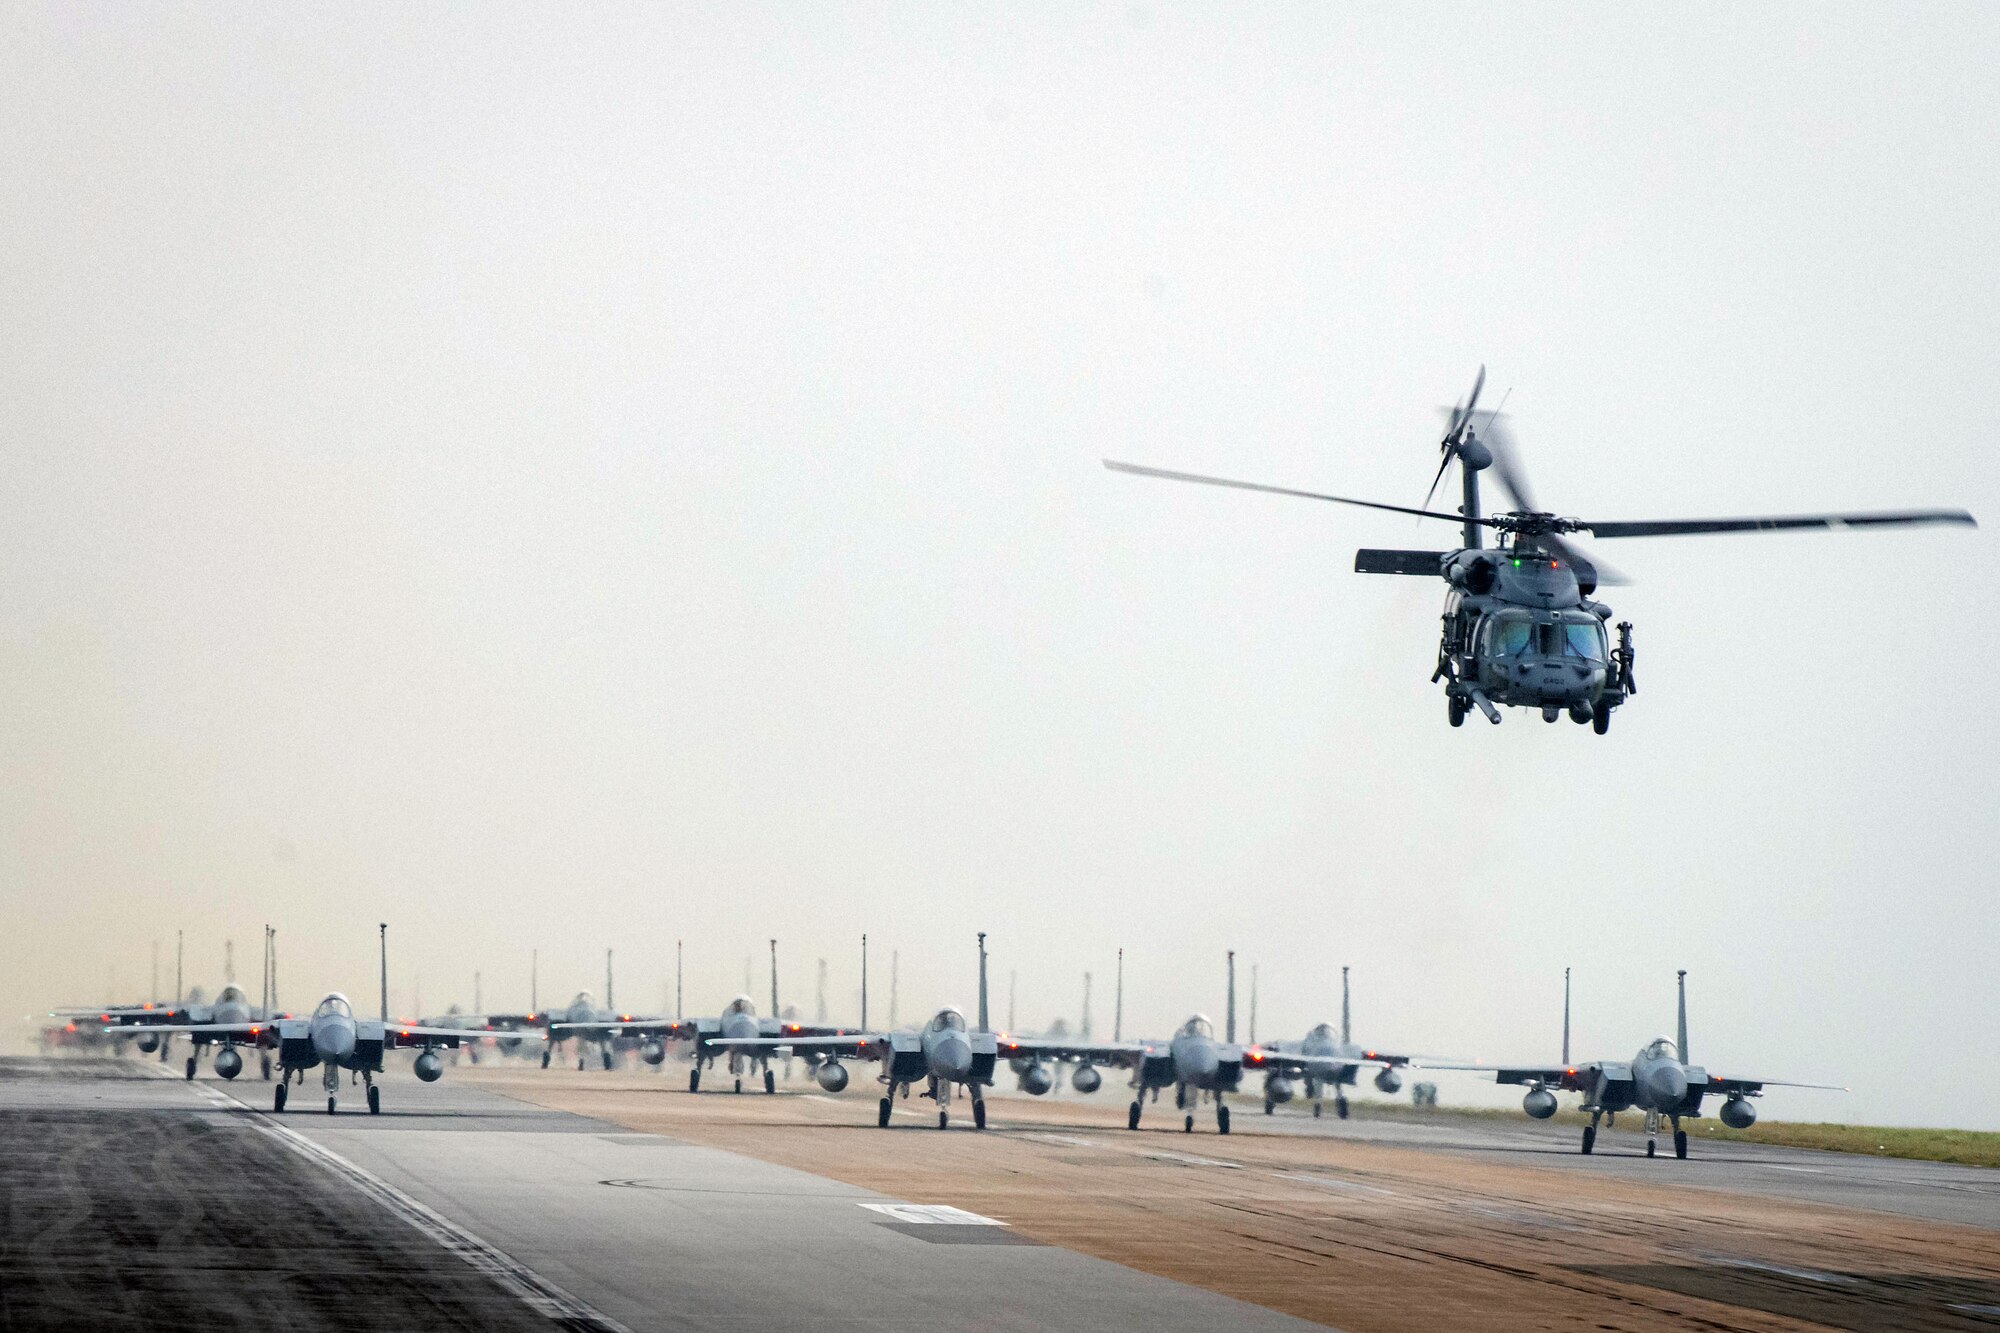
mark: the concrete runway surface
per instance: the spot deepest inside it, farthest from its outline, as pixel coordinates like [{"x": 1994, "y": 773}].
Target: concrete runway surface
[{"x": 141, "y": 1201}]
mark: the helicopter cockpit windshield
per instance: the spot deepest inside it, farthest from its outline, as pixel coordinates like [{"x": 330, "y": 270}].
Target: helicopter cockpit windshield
[{"x": 1575, "y": 634}]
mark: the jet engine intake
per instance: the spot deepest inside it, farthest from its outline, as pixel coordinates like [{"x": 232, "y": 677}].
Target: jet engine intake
[
  {"x": 1086, "y": 1079},
  {"x": 228, "y": 1064},
  {"x": 1738, "y": 1113},
  {"x": 1036, "y": 1080},
  {"x": 832, "y": 1076},
  {"x": 1539, "y": 1103},
  {"x": 430, "y": 1066},
  {"x": 1389, "y": 1081}
]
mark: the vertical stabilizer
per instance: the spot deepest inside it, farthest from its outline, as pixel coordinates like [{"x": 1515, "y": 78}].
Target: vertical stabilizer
[
  {"x": 1229, "y": 1020},
  {"x": 383, "y": 932},
  {"x": 1013, "y": 986},
  {"x": 229, "y": 962},
  {"x": 819, "y": 1000},
  {"x": 534, "y": 981},
  {"x": 983, "y": 1025},
  {"x": 179, "y": 952},
  {"x": 1682, "y": 1034},
  {"x": 1253, "y": 1004},
  {"x": 1346, "y": 1026},
  {"x": 774, "y": 978},
  {"x": 1083, "y": 1028},
  {"x": 274, "y": 972},
  {"x": 1118, "y": 1004},
  {"x": 864, "y": 983},
  {"x": 609, "y": 1002},
  {"x": 1565, "y": 1015},
  {"x": 677, "y": 980}
]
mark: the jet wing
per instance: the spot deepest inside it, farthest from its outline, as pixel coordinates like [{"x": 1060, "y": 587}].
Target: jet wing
[
  {"x": 414, "y": 1034},
  {"x": 1572, "y": 1078},
  {"x": 855, "y": 1045},
  {"x": 1733, "y": 1086},
  {"x": 1114, "y": 1053},
  {"x": 1320, "y": 1066},
  {"x": 236, "y": 1031},
  {"x": 627, "y": 1027}
]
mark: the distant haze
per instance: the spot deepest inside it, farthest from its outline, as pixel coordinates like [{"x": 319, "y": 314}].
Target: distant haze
[{"x": 584, "y": 477}]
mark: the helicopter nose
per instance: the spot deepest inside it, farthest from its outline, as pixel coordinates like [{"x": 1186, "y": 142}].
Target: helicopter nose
[
  {"x": 1667, "y": 1085},
  {"x": 952, "y": 1057}
]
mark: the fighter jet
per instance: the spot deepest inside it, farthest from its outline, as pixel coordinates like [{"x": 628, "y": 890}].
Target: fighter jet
[
  {"x": 1659, "y": 1081},
  {"x": 943, "y": 1054},
  {"x": 1322, "y": 1061},
  {"x": 149, "y": 1027},
  {"x": 582, "y": 1020},
  {"x": 1191, "y": 1062}
]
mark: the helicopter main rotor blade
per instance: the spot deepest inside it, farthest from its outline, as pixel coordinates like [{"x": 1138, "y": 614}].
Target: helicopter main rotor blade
[
  {"x": 1138, "y": 470},
  {"x": 1581, "y": 560},
  {"x": 1680, "y": 527},
  {"x": 1507, "y": 466}
]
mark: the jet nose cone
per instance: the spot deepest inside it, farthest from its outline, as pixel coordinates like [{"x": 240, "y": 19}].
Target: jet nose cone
[
  {"x": 334, "y": 1040},
  {"x": 1199, "y": 1063},
  {"x": 1668, "y": 1084},
  {"x": 952, "y": 1056}
]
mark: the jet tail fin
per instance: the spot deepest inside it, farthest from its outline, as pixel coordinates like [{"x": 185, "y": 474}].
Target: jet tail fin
[
  {"x": 1566, "y": 1017},
  {"x": 1682, "y": 1033},
  {"x": 1346, "y": 1030}
]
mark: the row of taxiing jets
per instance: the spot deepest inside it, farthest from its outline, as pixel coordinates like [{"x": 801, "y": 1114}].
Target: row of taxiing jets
[{"x": 944, "y": 1059}]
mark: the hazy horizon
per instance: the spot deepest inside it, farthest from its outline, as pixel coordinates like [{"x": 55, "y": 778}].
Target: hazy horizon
[{"x": 576, "y": 479}]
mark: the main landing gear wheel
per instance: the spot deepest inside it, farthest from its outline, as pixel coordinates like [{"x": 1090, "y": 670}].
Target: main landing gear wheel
[
  {"x": 545, "y": 1059},
  {"x": 882, "y": 1113},
  {"x": 1455, "y": 710},
  {"x": 374, "y": 1100},
  {"x": 739, "y": 1085},
  {"x": 278, "y": 1102},
  {"x": 1132, "y": 1117},
  {"x": 694, "y": 1080},
  {"x": 979, "y": 1115},
  {"x": 329, "y": 1105},
  {"x": 770, "y": 1083},
  {"x": 1340, "y": 1108},
  {"x": 607, "y": 1059},
  {"x": 1601, "y": 723},
  {"x": 1222, "y": 1120},
  {"x": 190, "y": 1068},
  {"x": 1681, "y": 1144},
  {"x": 944, "y": 1119},
  {"x": 579, "y": 1064},
  {"x": 1589, "y": 1138},
  {"x": 1188, "y": 1128},
  {"x": 265, "y": 1060},
  {"x": 1316, "y": 1110}
]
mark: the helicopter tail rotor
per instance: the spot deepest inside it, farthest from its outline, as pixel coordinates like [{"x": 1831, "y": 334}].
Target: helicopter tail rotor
[{"x": 1460, "y": 443}]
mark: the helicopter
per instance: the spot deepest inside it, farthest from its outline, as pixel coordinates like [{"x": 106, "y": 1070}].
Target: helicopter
[{"x": 1521, "y": 626}]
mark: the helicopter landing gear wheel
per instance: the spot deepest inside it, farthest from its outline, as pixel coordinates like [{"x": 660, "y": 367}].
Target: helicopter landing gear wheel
[
  {"x": 1454, "y": 708},
  {"x": 1580, "y": 714},
  {"x": 1601, "y": 723}
]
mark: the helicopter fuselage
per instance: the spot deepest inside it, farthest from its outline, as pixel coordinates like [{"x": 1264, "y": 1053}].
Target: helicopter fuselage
[{"x": 1521, "y": 630}]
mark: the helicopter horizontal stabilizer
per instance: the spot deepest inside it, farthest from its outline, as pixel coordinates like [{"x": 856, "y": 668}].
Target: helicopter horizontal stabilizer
[{"x": 1425, "y": 563}]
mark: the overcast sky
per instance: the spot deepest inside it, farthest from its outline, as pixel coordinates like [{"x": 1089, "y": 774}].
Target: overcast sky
[{"x": 570, "y": 478}]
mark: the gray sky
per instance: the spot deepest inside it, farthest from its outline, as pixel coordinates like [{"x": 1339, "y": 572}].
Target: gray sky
[{"x": 596, "y": 477}]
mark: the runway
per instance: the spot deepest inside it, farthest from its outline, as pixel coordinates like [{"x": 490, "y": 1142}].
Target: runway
[{"x": 141, "y": 1201}]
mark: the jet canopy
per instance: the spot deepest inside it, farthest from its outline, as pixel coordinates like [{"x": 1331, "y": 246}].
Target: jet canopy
[
  {"x": 948, "y": 1020},
  {"x": 1198, "y": 1026},
  {"x": 334, "y": 1004},
  {"x": 742, "y": 1004},
  {"x": 1663, "y": 1048}
]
